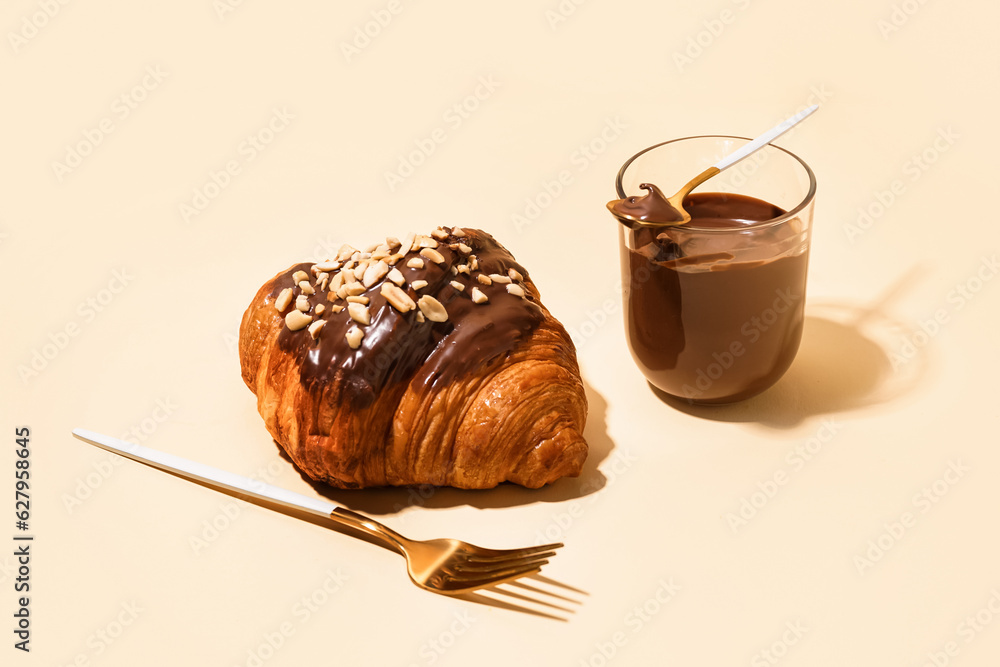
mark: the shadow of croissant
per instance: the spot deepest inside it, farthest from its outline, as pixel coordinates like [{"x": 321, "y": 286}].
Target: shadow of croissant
[{"x": 390, "y": 500}]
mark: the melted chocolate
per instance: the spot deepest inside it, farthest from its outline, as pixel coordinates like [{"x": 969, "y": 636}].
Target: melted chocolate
[
  {"x": 715, "y": 317},
  {"x": 651, "y": 207},
  {"x": 396, "y": 348}
]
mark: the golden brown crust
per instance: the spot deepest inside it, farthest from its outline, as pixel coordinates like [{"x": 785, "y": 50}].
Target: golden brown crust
[{"x": 519, "y": 417}]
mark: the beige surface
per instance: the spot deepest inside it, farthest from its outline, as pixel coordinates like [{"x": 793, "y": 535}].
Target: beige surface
[{"x": 155, "y": 350}]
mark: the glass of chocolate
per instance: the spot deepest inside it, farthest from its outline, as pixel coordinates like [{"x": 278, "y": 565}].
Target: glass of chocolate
[{"x": 714, "y": 308}]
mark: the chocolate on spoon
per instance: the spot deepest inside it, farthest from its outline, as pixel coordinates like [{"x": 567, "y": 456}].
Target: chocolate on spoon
[{"x": 656, "y": 210}]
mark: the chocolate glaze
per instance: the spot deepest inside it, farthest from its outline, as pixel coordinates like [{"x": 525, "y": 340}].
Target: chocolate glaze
[
  {"x": 715, "y": 317},
  {"x": 396, "y": 348}
]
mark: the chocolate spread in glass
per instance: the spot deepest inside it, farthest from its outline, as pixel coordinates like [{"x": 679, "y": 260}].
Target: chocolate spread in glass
[
  {"x": 714, "y": 308},
  {"x": 396, "y": 348}
]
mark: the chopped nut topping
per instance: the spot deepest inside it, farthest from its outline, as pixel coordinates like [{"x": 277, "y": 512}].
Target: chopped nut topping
[
  {"x": 464, "y": 249},
  {"x": 349, "y": 266},
  {"x": 315, "y": 327},
  {"x": 302, "y": 303},
  {"x": 516, "y": 290},
  {"x": 458, "y": 232},
  {"x": 319, "y": 309},
  {"x": 322, "y": 278},
  {"x": 381, "y": 253},
  {"x": 478, "y": 296},
  {"x": 328, "y": 265},
  {"x": 497, "y": 278},
  {"x": 337, "y": 308},
  {"x": 392, "y": 259},
  {"x": 439, "y": 234},
  {"x": 375, "y": 272},
  {"x": 353, "y": 289},
  {"x": 484, "y": 279},
  {"x": 365, "y": 255},
  {"x": 332, "y": 295},
  {"x": 358, "y": 299},
  {"x": 306, "y": 288},
  {"x": 395, "y": 276},
  {"x": 284, "y": 298},
  {"x": 425, "y": 242},
  {"x": 359, "y": 270},
  {"x": 420, "y": 317},
  {"x": 473, "y": 262},
  {"x": 296, "y": 319},
  {"x": 463, "y": 268},
  {"x": 392, "y": 242},
  {"x": 299, "y": 276},
  {"x": 457, "y": 285},
  {"x": 418, "y": 284},
  {"x": 406, "y": 245},
  {"x": 415, "y": 263},
  {"x": 370, "y": 249},
  {"x": 433, "y": 255},
  {"x": 336, "y": 281},
  {"x": 432, "y": 309},
  {"x": 359, "y": 313},
  {"x": 515, "y": 275},
  {"x": 345, "y": 253},
  {"x": 454, "y": 270},
  {"x": 349, "y": 276},
  {"x": 354, "y": 336},
  {"x": 399, "y": 299},
  {"x": 356, "y": 257}
]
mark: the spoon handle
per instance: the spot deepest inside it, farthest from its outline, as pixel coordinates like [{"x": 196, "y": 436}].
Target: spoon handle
[{"x": 764, "y": 139}]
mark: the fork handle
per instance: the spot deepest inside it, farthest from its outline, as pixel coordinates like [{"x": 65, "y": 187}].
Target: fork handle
[{"x": 222, "y": 479}]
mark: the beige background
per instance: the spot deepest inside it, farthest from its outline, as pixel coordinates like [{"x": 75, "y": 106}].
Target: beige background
[{"x": 129, "y": 312}]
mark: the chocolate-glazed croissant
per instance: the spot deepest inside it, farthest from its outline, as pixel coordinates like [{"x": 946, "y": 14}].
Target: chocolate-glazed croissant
[{"x": 426, "y": 361}]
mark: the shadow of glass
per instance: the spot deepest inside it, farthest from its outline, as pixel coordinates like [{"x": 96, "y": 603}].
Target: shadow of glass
[
  {"x": 843, "y": 364},
  {"x": 389, "y": 500}
]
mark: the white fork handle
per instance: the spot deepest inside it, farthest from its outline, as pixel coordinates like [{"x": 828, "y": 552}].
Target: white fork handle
[{"x": 205, "y": 473}]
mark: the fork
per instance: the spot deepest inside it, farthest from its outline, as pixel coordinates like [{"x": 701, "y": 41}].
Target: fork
[{"x": 446, "y": 566}]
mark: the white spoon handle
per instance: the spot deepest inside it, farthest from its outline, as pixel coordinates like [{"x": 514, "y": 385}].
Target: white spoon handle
[{"x": 764, "y": 139}]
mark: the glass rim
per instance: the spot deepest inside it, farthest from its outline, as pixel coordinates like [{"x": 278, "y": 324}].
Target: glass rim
[{"x": 791, "y": 214}]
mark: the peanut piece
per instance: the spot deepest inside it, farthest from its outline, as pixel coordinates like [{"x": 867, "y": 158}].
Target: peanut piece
[
  {"x": 284, "y": 298},
  {"x": 432, "y": 309},
  {"x": 354, "y": 336},
  {"x": 359, "y": 313},
  {"x": 315, "y": 327},
  {"x": 433, "y": 255},
  {"x": 478, "y": 296},
  {"x": 395, "y": 276},
  {"x": 399, "y": 299},
  {"x": 296, "y": 319}
]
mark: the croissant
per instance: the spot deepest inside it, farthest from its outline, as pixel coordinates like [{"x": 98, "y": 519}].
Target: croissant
[{"x": 429, "y": 360}]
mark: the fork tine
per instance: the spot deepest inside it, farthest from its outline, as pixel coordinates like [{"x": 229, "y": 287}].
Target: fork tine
[
  {"x": 497, "y": 577},
  {"x": 485, "y": 567},
  {"x": 480, "y": 554},
  {"x": 499, "y": 573}
]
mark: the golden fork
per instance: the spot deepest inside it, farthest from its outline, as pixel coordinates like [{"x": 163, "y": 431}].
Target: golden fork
[{"x": 445, "y": 566}]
